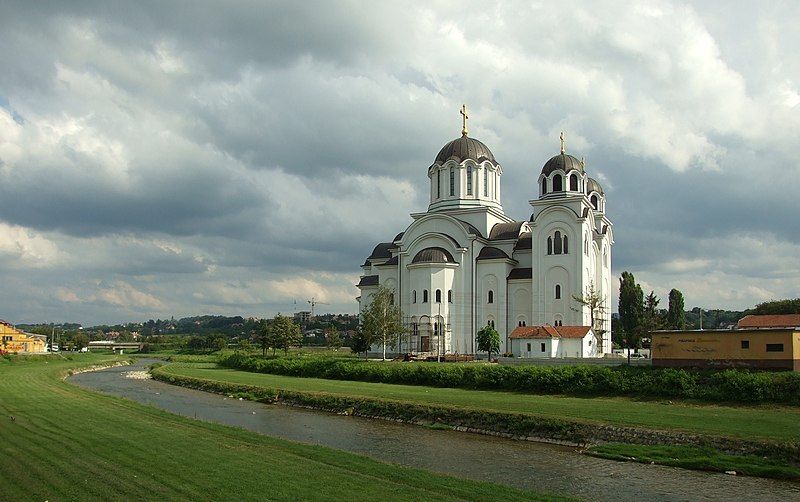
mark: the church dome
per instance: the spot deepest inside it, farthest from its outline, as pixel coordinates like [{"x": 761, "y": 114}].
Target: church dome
[
  {"x": 433, "y": 255},
  {"x": 465, "y": 148},
  {"x": 562, "y": 161},
  {"x": 593, "y": 186}
]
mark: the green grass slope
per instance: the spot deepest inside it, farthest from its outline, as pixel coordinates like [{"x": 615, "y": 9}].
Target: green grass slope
[
  {"x": 66, "y": 443},
  {"x": 771, "y": 422}
]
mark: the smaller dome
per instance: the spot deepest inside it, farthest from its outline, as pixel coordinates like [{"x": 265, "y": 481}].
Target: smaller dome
[
  {"x": 593, "y": 186},
  {"x": 382, "y": 250},
  {"x": 433, "y": 255},
  {"x": 562, "y": 161},
  {"x": 464, "y": 148},
  {"x": 491, "y": 253}
]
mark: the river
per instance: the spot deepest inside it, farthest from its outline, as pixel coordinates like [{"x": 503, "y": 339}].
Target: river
[{"x": 523, "y": 464}]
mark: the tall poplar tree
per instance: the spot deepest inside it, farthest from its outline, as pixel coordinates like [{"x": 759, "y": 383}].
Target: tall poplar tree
[
  {"x": 676, "y": 316},
  {"x": 631, "y": 308}
]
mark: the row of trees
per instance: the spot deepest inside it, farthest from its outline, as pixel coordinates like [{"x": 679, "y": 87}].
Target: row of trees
[
  {"x": 279, "y": 334},
  {"x": 639, "y": 314}
]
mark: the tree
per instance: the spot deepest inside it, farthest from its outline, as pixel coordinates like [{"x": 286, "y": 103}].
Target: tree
[
  {"x": 489, "y": 340},
  {"x": 382, "y": 321},
  {"x": 81, "y": 341},
  {"x": 777, "y": 307},
  {"x": 631, "y": 309},
  {"x": 676, "y": 316},
  {"x": 265, "y": 338},
  {"x": 245, "y": 345},
  {"x": 596, "y": 303},
  {"x": 651, "y": 318},
  {"x": 360, "y": 342},
  {"x": 284, "y": 333},
  {"x": 332, "y": 338},
  {"x": 196, "y": 342}
]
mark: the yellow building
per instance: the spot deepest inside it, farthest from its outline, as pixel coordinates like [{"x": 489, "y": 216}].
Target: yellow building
[
  {"x": 761, "y": 348},
  {"x": 14, "y": 340}
]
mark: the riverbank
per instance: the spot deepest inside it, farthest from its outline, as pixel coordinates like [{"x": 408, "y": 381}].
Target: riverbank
[
  {"x": 105, "y": 447},
  {"x": 474, "y": 411}
]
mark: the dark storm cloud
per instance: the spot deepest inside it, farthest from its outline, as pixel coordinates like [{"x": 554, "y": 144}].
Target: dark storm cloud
[{"x": 165, "y": 158}]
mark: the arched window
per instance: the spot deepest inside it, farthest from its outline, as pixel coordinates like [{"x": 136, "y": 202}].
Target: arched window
[
  {"x": 449, "y": 296},
  {"x": 452, "y": 182},
  {"x": 557, "y": 184},
  {"x": 573, "y": 182},
  {"x": 414, "y": 296},
  {"x": 586, "y": 243},
  {"x": 491, "y": 296},
  {"x": 558, "y": 243},
  {"x": 549, "y": 245},
  {"x": 438, "y": 184},
  {"x": 544, "y": 186},
  {"x": 594, "y": 202},
  {"x": 391, "y": 298},
  {"x": 558, "y": 291},
  {"x": 566, "y": 245},
  {"x": 424, "y": 296},
  {"x": 438, "y": 296},
  {"x": 485, "y": 182},
  {"x": 436, "y": 329},
  {"x": 469, "y": 180}
]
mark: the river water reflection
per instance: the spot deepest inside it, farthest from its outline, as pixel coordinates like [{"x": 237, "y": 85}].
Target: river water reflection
[{"x": 522, "y": 464}]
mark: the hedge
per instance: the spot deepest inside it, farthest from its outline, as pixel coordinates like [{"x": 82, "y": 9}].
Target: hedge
[{"x": 731, "y": 385}]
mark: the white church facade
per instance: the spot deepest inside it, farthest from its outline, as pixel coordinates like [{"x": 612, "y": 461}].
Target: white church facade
[{"x": 464, "y": 264}]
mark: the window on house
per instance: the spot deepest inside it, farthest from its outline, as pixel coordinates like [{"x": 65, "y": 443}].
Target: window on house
[
  {"x": 524, "y": 323},
  {"x": 549, "y": 245},
  {"x": 566, "y": 245},
  {"x": 435, "y": 329},
  {"x": 438, "y": 296},
  {"x": 558, "y": 291},
  {"x": 449, "y": 296},
  {"x": 438, "y": 184},
  {"x": 452, "y": 182},
  {"x": 469, "y": 180},
  {"x": 544, "y": 186},
  {"x": 414, "y": 296},
  {"x": 491, "y": 296},
  {"x": 424, "y": 296},
  {"x": 529, "y": 347},
  {"x": 593, "y": 200},
  {"x": 745, "y": 344},
  {"x": 542, "y": 344},
  {"x": 485, "y": 182},
  {"x": 493, "y": 324},
  {"x": 573, "y": 182},
  {"x": 557, "y": 183},
  {"x": 774, "y": 347},
  {"x": 391, "y": 298},
  {"x": 557, "y": 243}
]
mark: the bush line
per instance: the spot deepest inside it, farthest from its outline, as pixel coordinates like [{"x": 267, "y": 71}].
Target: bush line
[
  {"x": 512, "y": 425},
  {"x": 735, "y": 386}
]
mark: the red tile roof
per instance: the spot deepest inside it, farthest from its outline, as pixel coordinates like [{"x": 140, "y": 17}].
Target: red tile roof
[
  {"x": 548, "y": 331},
  {"x": 769, "y": 321}
]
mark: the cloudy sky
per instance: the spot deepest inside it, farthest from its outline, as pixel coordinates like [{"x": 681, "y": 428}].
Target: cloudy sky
[{"x": 183, "y": 158}]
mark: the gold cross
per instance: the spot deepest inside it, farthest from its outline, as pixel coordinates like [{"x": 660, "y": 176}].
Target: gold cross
[
  {"x": 464, "y": 119},
  {"x": 563, "y": 149}
]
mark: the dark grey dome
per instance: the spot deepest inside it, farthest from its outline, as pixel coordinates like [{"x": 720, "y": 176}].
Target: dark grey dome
[
  {"x": 382, "y": 250},
  {"x": 593, "y": 186},
  {"x": 465, "y": 148},
  {"x": 562, "y": 161},
  {"x": 433, "y": 255},
  {"x": 489, "y": 253}
]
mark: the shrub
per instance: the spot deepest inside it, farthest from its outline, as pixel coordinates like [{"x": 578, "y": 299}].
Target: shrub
[{"x": 646, "y": 382}]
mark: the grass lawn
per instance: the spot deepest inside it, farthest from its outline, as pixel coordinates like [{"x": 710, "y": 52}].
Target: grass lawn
[
  {"x": 67, "y": 443},
  {"x": 697, "y": 458},
  {"x": 780, "y": 423}
]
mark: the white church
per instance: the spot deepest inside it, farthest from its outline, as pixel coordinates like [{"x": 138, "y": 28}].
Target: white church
[{"x": 464, "y": 264}]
